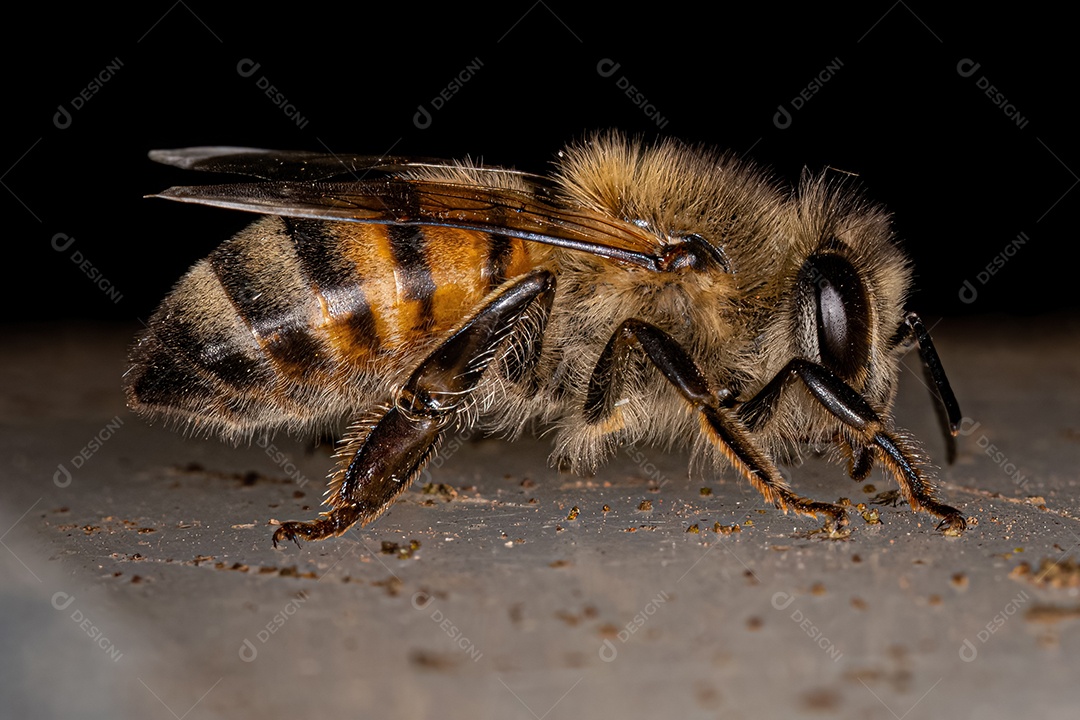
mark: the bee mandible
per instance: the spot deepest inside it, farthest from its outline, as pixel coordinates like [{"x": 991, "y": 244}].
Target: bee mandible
[{"x": 663, "y": 294}]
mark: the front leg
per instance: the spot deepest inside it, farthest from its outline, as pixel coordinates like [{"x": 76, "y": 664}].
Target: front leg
[
  {"x": 947, "y": 408},
  {"x": 402, "y": 440},
  {"x": 862, "y": 429},
  {"x": 719, "y": 424}
]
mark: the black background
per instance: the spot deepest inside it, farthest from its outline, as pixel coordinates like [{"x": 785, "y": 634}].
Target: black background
[{"x": 962, "y": 179}]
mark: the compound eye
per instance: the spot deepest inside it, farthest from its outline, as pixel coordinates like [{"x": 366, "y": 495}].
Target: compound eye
[{"x": 841, "y": 312}]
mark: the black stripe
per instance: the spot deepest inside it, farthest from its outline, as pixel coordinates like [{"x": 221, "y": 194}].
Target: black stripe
[
  {"x": 280, "y": 327},
  {"x": 218, "y": 355},
  {"x": 500, "y": 255},
  {"x": 328, "y": 270},
  {"x": 408, "y": 246}
]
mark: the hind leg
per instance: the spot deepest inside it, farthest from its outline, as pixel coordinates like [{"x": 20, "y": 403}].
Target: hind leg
[{"x": 401, "y": 442}]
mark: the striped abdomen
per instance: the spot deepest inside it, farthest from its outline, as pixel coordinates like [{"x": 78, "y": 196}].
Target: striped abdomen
[{"x": 294, "y": 321}]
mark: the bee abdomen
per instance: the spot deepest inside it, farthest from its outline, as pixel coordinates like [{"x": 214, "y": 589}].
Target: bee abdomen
[{"x": 284, "y": 319}]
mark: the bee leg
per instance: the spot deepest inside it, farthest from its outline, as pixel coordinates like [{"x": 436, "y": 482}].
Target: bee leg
[
  {"x": 859, "y": 456},
  {"x": 401, "y": 442},
  {"x": 391, "y": 455},
  {"x": 947, "y": 408},
  {"x": 863, "y": 427},
  {"x": 719, "y": 424}
]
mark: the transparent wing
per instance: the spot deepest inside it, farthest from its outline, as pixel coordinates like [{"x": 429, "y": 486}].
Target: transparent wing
[
  {"x": 311, "y": 166},
  {"x": 295, "y": 187}
]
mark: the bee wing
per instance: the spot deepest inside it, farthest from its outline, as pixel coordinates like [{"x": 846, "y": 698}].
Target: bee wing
[
  {"x": 308, "y": 166},
  {"x": 404, "y": 201}
]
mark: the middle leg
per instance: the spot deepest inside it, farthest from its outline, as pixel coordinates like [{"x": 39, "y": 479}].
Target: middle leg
[{"x": 719, "y": 424}]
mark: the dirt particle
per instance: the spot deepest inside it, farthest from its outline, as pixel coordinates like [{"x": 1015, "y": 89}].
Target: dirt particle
[
  {"x": 427, "y": 660},
  {"x": 1051, "y": 614},
  {"x": 607, "y": 631},
  {"x": 403, "y": 552},
  {"x": 821, "y": 700},
  {"x": 574, "y": 660},
  {"x": 1060, "y": 574},
  {"x": 443, "y": 490},
  {"x": 392, "y": 585},
  {"x": 871, "y": 516}
]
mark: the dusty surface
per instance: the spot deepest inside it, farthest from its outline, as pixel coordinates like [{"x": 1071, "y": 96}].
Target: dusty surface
[{"x": 139, "y": 578}]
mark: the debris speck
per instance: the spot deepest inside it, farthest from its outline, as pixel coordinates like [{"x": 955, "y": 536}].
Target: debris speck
[
  {"x": 443, "y": 490},
  {"x": 1056, "y": 574}
]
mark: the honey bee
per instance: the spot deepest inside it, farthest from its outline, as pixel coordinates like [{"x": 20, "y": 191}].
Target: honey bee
[{"x": 662, "y": 293}]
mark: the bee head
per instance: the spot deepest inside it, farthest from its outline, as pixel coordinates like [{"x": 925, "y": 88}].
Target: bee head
[{"x": 846, "y": 283}]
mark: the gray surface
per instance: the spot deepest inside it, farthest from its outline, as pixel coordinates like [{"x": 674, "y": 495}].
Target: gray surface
[{"x": 143, "y": 545}]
